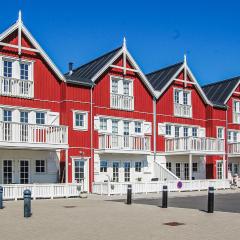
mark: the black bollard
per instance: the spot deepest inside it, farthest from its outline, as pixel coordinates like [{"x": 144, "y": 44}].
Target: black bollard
[
  {"x": 1, "y": 197},
  {"x": 129, "y": 194},
  {"x": 27, "y": 203},
  {"x": 210, "y": 199},
  {"x": 165, "y": 197}
]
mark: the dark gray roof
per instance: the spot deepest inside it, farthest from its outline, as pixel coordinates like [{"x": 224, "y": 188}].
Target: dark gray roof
[
  {"x": 84, "y": 73},
  {"x": 218, "y": 92},
  {"x": 161, "y": 77}
]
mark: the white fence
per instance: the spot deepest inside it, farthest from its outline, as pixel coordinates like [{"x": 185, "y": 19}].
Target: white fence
[
  {"x": 113, "y": 188},
  {"x": 15, "y": 191}
]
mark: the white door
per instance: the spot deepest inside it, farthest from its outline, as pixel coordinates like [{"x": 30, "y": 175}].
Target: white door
[
  {"x": 80, "y": 173},
  {"x": 24, "y": 172}
]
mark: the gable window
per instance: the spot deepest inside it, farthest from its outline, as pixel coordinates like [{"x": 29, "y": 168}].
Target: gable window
[
  {"x": 7, "y": 69},
  {"x": 103, "y": 124},
  {"x": 24, "y": 71},
  {"x": 138, "y": 127},
  {"x": 126, "y": 90},
  {"x": 168, "y": 130},
  {"x": 194, "y": 132},
  {"x": 236, "y": 111},
  {"x": 103, "y": 166},
  {"x": 40, "y": 118},
  {"x": 40, "y": 166},
  {"x": 220, "y": 133},
  {"x": 114, "y": 86},
  {"x": 138, "y": 166},
  {"x": 182, "y": 103},
  {"x": 80, "y": 120}
]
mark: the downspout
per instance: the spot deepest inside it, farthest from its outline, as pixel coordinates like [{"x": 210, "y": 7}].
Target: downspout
[
  {"x": 226, "y": 146},
  {"x": 154, "y": 128},
  {"x": 91, "y": 140}
]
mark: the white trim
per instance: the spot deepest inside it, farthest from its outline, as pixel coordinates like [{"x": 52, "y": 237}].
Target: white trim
[
  {"x": 85, "y": 120},
  {"x": 223, "y": 131}
]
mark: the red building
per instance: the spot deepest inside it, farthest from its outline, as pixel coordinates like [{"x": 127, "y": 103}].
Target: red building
[{"x": 107, "y": 120}]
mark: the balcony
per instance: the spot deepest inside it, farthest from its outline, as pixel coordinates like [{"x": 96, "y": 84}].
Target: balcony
[
  {"x": 13, "y": 87},
  {"x": 116, "y": 143},
  {"x": 122, "y": 102},
  {"x": 22, "y": 135},
  {"x": 234, "y": 149},
  {"x": 236, "y": 117},
  {"x": 194, "y": 145},
  {"x": 181, "y": 110}
]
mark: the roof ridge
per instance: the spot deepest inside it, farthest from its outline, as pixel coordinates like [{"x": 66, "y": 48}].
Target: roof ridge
[
  {"x": 222, "y": 81},
  {"x": 95, "y": 59},
  {"x": 165, "y": 68}
]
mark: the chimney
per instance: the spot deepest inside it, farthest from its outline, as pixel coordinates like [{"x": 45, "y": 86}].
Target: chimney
[{"x": 70, "y": 68}]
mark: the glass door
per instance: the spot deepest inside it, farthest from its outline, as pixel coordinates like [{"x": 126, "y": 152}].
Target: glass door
[
  {"x": 127, "y": 168},
  {"x": 79, "y": 173},
  {"x": 24, "y": 171},
  {"x": 7, "y": 171}
]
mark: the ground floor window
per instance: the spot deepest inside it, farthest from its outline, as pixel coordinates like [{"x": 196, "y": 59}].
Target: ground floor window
[
  {"x": 138, "y": 166},
  {"x": 169, "y": 166},
  {"x": 233, "y": 168},
  {"x": 195, "y": 167},
  {"x": 115, "y": 172},
  {"x": 178, "y": 170},
  {"x": 103, "y": 166},
  {"x": 127, "y": 167},
  {"x": 79, "y": 170},
  {"x": 40, "y": 166},
  {"x": 7, "y": 171}
]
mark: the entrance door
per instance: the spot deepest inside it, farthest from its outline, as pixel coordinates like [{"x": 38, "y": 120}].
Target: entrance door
[
  {"x": 127, "y": 172},
  {"x": 7, "y": 171},
  {"x": 24, "y": 171},
  {"x": 219, "y": 170},
  {"x": 79, "y": 173},
  {"x": 115, "y": 171}
]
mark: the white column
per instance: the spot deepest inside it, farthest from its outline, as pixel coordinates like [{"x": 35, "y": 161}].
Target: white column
[
  {"x": 66, "y": 166},
  {"x": 190, "y": 166}
]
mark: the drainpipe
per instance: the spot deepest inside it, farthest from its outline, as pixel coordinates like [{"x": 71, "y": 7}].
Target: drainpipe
[
  {"x": 226, "y": 146},
  {"x": 154, "y": 127},
  {"x": 91, "y": 139}
]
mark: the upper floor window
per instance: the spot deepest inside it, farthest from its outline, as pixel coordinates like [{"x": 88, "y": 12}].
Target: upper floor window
[
  {"x": 7, "y": 115},
  {"x": 125, "y": 128},
  {"x": 80, "y": 120},
  {"x": 121, "y": 93},
  {"x": 103, "y": 124},
  {"x": 24, "y": 71},
  {"x": 236, "y": 111},
  {"x": 168, "y": 130},
  {"x": 220, "y": 132},
  {"x": 115, "y": 126},
  {"x": 194, "y": 132},
  {"x": 103, "y": 166},
  {"x": 7, "y": 69},
  {"x": 177, "y": 132},
  {"x": 185, "y": 131},
  {"x": 40, "y": 118},
  {"x": 182, "y": 103},
  {"x": 233, "y": 136},
  {"x": 24, "y": 117},
  {"x": 138, "y": 127},
  {"x": 40, "y": 166}
]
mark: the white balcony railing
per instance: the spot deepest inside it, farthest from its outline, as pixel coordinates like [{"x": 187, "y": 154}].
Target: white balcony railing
[
  {"x": 195, "y": 144},
  {"x": 122, "y": 102},
  {"x": 182, "y": 110},
  {"x": 120, "y": 142},
  {"x": 16, "y": 88},
  {"x": 236, "y": 117},
  {"x": 234, "y": 148},
  {"x": 32, "y": 133}
]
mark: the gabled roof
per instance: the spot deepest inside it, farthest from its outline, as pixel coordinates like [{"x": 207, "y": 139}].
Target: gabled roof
[
  {"x": 219, "y": 92},
  {"x": 19, "y": 25},
  {"x": 161, "y": 77},
  {"x": 85, "y": 73}
]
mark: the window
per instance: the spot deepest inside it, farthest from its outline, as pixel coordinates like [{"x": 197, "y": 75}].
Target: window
[
  {"x": 127, "y": 174},
  {"x": 194, "y": 132},
  {"x": 40, "y": 166},
  {"x": 169, "y": 166},
  {"x": 235, "y": 136},
  {"x": 126, "y": 128},
  {"x": 229, "y": 136},
  {"x": 178, "y": 170},
  {"x": 176, "y": 96},
  {"x": 185, "y": 132},
  {"x": 168, "y": 130},
  {"x": 7, "y": 116},
  {"x": 115, "y": 126},
  {"x": 114, "y": 86},
  {"x": 138, "y": 166},
  {"x": 126, "y": 85},
  {"x": 40, "y": 118},
  {"x": 220, "y": 133},
  {"x": 103, "y": 166},
  {"x": 115, "y": 172},
  {"x": 138, "y": 127},
  {"x": 195, "y": 167},
  {"x": 24, "y": 117},
  {"x": 80, "y": 120},
  {"x": 24, "y": 71},
  {"x": 103, "y": 124},
  {"x": 177, "y": 133},
  {"x": 7, "y": 69},
  {"x": 185, "y": 98}
]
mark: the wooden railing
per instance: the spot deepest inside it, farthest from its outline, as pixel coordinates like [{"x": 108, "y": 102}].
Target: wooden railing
[
  {"x": 33, "y": 133},
  {"x": 182, "y": 110},
  {"x": 121, "y": 142},
  {"x": 16, "y": 88},
  {"x": 234, "y": 148},
  {"x": 195, "y": 144},
  {"x": 123, "y": 102}
]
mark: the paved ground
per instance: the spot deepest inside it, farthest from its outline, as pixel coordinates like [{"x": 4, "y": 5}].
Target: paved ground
[{"x": 94, "y": 218}]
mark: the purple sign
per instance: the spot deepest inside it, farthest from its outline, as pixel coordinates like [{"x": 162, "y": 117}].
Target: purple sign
[{"x": 179, "y": 184}]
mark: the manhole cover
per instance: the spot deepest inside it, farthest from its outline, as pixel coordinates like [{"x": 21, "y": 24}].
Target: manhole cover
[
  {"x": 69, "y": 206},
  {"x": 174, "y": 224}
]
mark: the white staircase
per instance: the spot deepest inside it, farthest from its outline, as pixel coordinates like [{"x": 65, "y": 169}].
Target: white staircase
[{"x": 162, "y": 173}]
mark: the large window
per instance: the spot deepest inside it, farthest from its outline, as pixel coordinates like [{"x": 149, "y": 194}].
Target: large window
[
  {"x": 40, "y": 166},
  {"x": 127, "y": 173},
  {"x": 40, "y": 117},
  {"x": 80, "y": 120},
  {"x": 115, "y": 172},
  {"x": 177, "y": 132}
]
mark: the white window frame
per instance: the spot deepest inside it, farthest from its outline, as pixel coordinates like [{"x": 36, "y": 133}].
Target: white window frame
[
  {"x": 100, "y": 129},
  {"x": 45, "y": 166},
  {"x": 170, "y": 128},
  {"x": 222, "y": 133},
  {"x": 85, "y": 120},
  {"x": 120, "y": 85},
  {"x": 141, "y": 127}
]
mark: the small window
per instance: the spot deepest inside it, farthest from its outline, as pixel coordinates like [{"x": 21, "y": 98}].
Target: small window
[
  {"x": 7, "y": 69},
  {"x": 229, "y": 136},
  {"x": 234, "y": 136},
  {"x": 185, "y": 132},
  {"x": 194, "y": 132},
  {"x": 185, "y": 98},
  {"x": 125, "y": 128},
  {"x": 40, "y": 118},
  {"x": 103, "y": 166},
  {"x": 195, "y": 167},
  {"x": 168, "y": 130},
  {"x": 40, "y": 166},
  {"x": 115, "y": 126},
  {"x": 138, "y": 127},
  {"x": 7, "y": 116},
  {"x": 169, "y": 166},
  {"x": 126, "y": 89},
  {"x": 176, "y": 96},
  {"x": 138, "y": 166},
  {"x": 24, "y": 117},
  {"x": 220, "y": 133},
  {"x": 24, "y": 71},
  {"x": 177, "y": 133},
  {"x": 103, "y": 124},
  {"x": 114, "y": 86}
]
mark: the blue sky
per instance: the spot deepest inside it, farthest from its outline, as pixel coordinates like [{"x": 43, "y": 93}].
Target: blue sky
[{"x": 158, "y": 32}]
